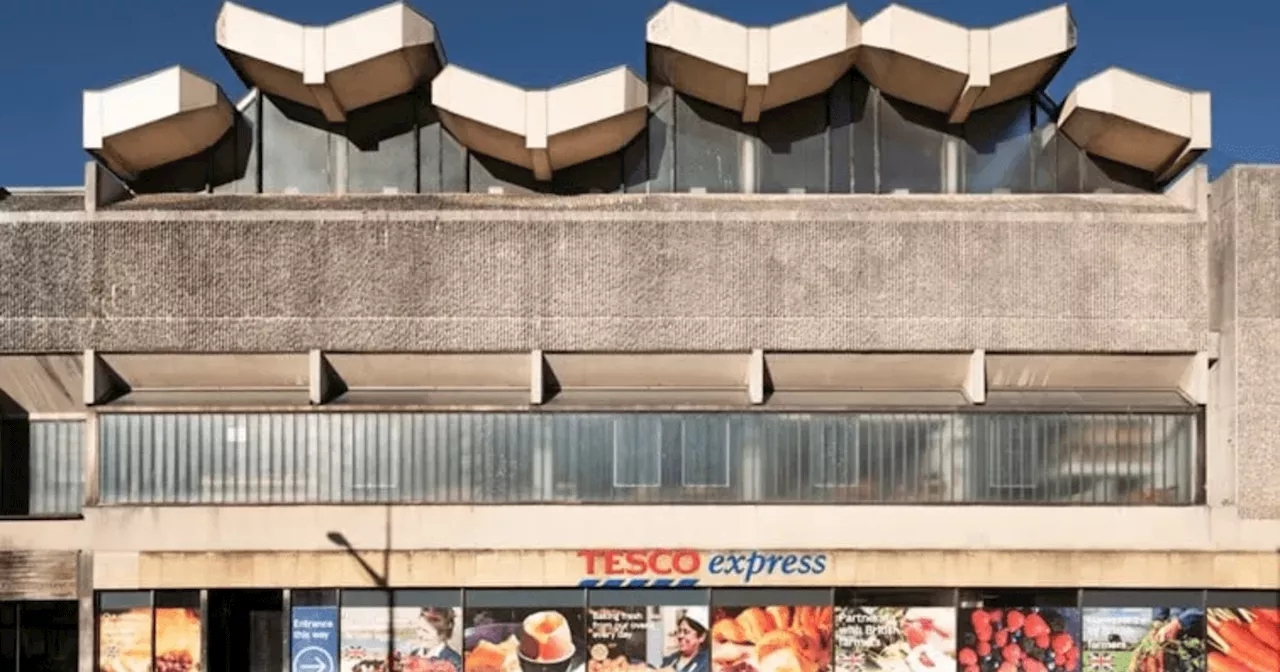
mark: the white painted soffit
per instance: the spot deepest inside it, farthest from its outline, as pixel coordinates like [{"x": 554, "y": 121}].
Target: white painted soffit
[
  {"x": 154, "y": 120},
  {"x": 542, "y": 130},
  {"x": 748, "y": 69},
  {"x": 1138, "y": 121},
  {"x": 954, "y": 69},
  {"x": 337, "y": 68}
]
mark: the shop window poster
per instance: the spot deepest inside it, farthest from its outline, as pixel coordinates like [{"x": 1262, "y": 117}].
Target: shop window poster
[
  {"x": 177, "y": 639},
  {"x": 524, "y": 640},
  {"x": 772, "y": 639},
  {"x": 639, "y": 639},
  {"x": 1144, "y": 639},
  {"x": 895, "y": 639},
  {"x": 1032, "y": 639},
  {"x": 400, "y": 639},
  {"x": 1244, "y": 640},
  {"x": 124, "y": 640}
]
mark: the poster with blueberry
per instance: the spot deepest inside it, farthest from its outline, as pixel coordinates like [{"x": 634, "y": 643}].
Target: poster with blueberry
[{"x": 1032, "y": 639}]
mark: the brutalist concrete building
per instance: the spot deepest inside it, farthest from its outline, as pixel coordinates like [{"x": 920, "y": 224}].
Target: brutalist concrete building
[{"x": 392, "y": 365}]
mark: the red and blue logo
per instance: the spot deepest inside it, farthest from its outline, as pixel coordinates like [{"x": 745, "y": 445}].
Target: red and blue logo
[{"x": 684, "y": 568}]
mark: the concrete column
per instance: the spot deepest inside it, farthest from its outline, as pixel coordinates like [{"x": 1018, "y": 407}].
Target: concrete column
[
  {"x": 87, "y": 650},
  {"x": 92, "y": 467}
]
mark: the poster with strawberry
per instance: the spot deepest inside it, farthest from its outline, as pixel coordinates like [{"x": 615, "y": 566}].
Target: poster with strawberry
[{"x": 1032, "y": 639}]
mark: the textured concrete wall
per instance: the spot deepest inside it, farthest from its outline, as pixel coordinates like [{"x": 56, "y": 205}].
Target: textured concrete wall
[
  {"x": 1060, "y": 273},
  {"x": 1246, "y": 311}
]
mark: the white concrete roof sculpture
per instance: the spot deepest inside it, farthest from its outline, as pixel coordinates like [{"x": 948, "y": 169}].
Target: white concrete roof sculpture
[
  {"x": 337, "y": 68},
  {"x": 543, "y": 130},
  {"x": 155, "y": 119},
  {"x": 1138, "y": 121}
]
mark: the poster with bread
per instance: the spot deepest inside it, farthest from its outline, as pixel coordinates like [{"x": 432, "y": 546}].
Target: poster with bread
[
  {"x": 177, "y": 640},
  {"x": 778, "y": 638},
  {"x": 524, "y": 640},
  {"x": 124, "y": 640},
  {"x": 641, "y": 639},
  {"x": 895, "y": 639}
]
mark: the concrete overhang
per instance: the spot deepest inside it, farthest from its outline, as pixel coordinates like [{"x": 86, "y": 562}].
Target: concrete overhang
[
  {"x": 542, "y": 130},
  {"x": 35, "y": 384},
  {"x": 870, "y": 380},
  {"x": 953, "y": 69},
  {"x": 337, "y": 68},
  {"x": 748, "y": 69},
  {"x": 426, "y": 379},
  {"x": 1175, "y": 381},
  {"x": 154, "y": 120},
  {"x": 157, "y": 380},
  {"x": 1138, "y": 121}
]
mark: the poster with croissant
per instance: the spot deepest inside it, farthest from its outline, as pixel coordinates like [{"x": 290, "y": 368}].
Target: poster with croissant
[
  {"x": 641, "y": 639},
  {"x": 177, "y": 640},
  {"x": 124, "y": 640},
  {"x": 895, "y": 639},
  {"x": 524, "y": 640},
  {"x": 772, "y": 639}
]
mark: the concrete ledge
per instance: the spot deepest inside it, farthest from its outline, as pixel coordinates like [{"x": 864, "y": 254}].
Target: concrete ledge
[{"x": 440, "y": 527}]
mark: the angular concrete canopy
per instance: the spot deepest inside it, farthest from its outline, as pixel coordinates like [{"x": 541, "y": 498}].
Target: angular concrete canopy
[
  {"x": 542, "y": 130},
  {"x": 953, "y": 69},
  {"x": 154, "y": 119},
  {"x": 1137, "y": 121},
  {"x": 337, "y": 68},
  {"x": 751, "y": 70}
]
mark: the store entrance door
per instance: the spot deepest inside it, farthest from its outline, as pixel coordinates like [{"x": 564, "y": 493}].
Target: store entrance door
[{"x": 246, "y": 631}]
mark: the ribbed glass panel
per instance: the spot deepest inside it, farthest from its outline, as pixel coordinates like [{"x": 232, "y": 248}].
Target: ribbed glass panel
[
  {"x": 57, "y": 467},
  {"x": 649, "y": 457}
]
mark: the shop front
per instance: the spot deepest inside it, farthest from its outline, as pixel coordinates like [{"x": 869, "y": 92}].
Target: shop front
[
  {"x": 39, "y": 613},
  {"x": 681, "y": 610}
]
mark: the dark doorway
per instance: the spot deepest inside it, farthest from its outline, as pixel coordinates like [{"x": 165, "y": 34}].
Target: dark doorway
[
  {"x": 39, "y": 636},
  {"x": 246, "y": 631}
]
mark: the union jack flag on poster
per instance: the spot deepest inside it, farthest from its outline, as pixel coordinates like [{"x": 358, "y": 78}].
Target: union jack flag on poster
[{"x": 1102, "y": 662}]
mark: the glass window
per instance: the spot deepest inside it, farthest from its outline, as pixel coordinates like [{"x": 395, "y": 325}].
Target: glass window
[
  {"x": 637, "y": 452},
  {"x": 911, "y": 141},
  {"x": 793, "y": 148},
  {"x": 704, "y": 454},
  {"x": 709, "y": 142},
  {"x": 998, "y": 148},
  {"x": 655, "y": 457}
]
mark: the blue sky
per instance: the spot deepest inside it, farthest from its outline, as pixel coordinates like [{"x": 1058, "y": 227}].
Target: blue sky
[{"x": 51, "y": 50}]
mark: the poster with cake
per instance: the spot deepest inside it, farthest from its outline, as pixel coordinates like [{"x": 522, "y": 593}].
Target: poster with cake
[
  {"x": 644, "y": 638},
  {"x": 778, "y": 638},
  {"x": 178, "y": 640},
  {"x": 895, "y": 639},
  {"x": 124, "y": 640},
  {"x": 524, "y": 640}
]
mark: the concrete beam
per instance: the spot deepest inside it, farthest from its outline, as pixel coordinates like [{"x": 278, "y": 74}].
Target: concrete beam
[
  {"x": 756, "y": 376},
  {"x": 979, "y": 75},
  {"x": 101, "y": 187},
  {"x": 1194, "y": 384},
  {"x": 323, "y": 382},
  {"x": 975, "y": 382},
  {"x": 537, "y": 381}
]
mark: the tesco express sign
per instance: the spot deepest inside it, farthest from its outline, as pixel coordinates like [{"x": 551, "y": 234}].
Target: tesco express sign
[{"x": 681, "y": 567}]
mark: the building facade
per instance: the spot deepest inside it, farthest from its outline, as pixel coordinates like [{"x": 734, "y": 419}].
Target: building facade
[{"x": 834, "y": 343}]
